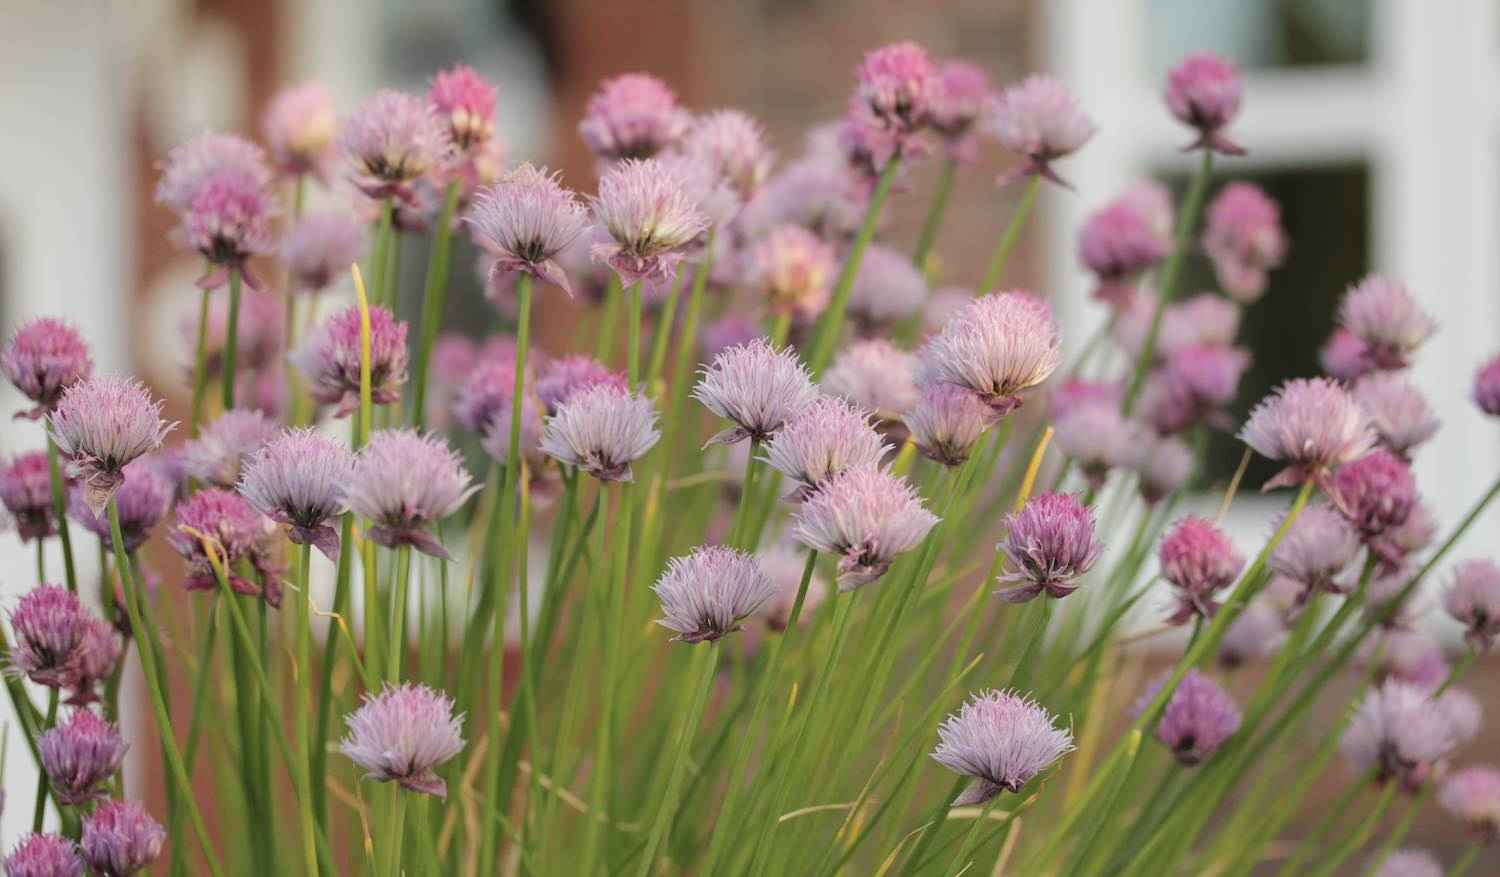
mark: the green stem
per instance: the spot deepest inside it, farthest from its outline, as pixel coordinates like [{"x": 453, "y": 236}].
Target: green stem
[
  {"x": 609, "y": 319},
  {"x": 60, "y": 511},
  {"x": 397, "y": 642},
  {"x": 935, "y": 213},
  {"x": 231, "y": 340},
  {"x": 200, "y": 368},
  {"x": 434, "y": 295},
  {"x": 319, "y": 743},
  {"x": 1466, "y": 861},
  {"x": 929, "y": 829},
  {"x": 1361, "y": 834},
  {"x": 1010, "y": 236},
  {"x": 40, "y": 809},
  {"x": 664, "y": 323},
  {"x": 633, "y": 340},
  {"x": 301, "y": 670},
  {"x": 705, "y": 662}
]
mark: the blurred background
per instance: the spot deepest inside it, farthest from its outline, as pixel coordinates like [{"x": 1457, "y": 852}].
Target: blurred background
[{"x": 1375, "y": 123}]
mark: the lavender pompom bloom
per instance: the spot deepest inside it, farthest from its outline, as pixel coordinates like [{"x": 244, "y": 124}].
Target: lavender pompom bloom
[
  {"x": 1194, "y": 385},
  {"x": 319, "y": 248},
  {"x": 1397, "y": 411},
  {"x": 120, "y": 838},
  {"x": 301, "y": 479},
  {"x": 484, "y": 394},
  {"x": 646, "y": 210},
  {"x": 998, "y": 346},
  {"x": 1116, "y": 244},
  {"x": 563, "y": 378},
  {"x": 1198, "y": 559},
  {"x": 784, "y": 564},
  {"x": 1376, "y": 493},
  {"x": 79, "y": 756},
  {"x": 144, "y": 498},
  {"x": 792, "y": 269},
  {"x": 1317, "y": 548},
  {"x": 602, "y": 429},
  {"x": 866, "y": 517},
  {"x": 101, "y": 424},
  {"x": 962, "y": 96},
  {"x": 403, "y": 482},
  {"x": 1473, "y": 600},
  {"x": 330, "y": 359},
  {"x": 45, "y": 357},
  {"x": 1382, "y": 313},
  {"x": 887, "y": 289},
  {"x": 706, "y": 594},
  {"x": 1001, "y": 740},
  {"x": 526, "y": 220},
  {"x": 757, "y": 387},
  {"x": 1254, "y": 633},
  {"x": 827, "y": 438},
  {"x": 228, "y": 221},
  {"x": 897, "y": 84},
  {"x": 216, "y": 455},
  {"x": 1204, "y": 91},
  {"x": 1163, "y": 465},
  {"x": 192, "y": 165},
  {"x": 1473, "y": 795},
  {"x": 733, "y": 145},
  {"x": 299, "y": 127},
  {"x": 1313, "y": 426},
  {"x": 26, "y": 493},
  {"x": 1040, "y": 119},
  {"x": 465, "y": 102},
  {"x": 1398, "y": 731},
  {"x": 236, "y": 531},
  {"x": 632, "y": 116},
  {"x": 1410, "y": 863},
  {"x": 96, "y": 659},
  {"x": 875, "y": 375},
  {"x": 1197, "y": 720},
  {"x": 1487, "y": 387},
  {"x": 403, "y": 734},
  {"x": 1345, "y": 357},
  {"x": 1098, "y": 438},
  {"x": 48, "y": 626},
  {"x": 1049, "y": 543},
  {"x": 1244, "y": 240},
  {"x": 947, "y": 421},
  {"x": 44, "y": 855},
  {"x": 392, "y": 140}
]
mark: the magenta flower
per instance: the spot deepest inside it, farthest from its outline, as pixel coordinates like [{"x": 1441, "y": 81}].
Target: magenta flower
[
  {"x": 631, "y": 117},
  {"x": 45, "y": 357},
  {"x": 301, "y": 478},
  {"x": 1244, "y": 239},
  {"x": 228, "y": 221},
  {"x": 827, "y": 438},
  {"x": 1163, "y": 465},
  {"x": 1397, "y": 411},
  {"x": 120, "y": 839},
  {"x": 998, "y": 346},
  {"x": 1487, "y": 387},
  {"x": 1398, "y": 731},
  {"x": 216, "y": 455},
  {"x": 144, "y": 498},
  {"x": 234, "y": 531},
  {"x": 465, "y": 102},
  {"x": 1199, "y": 560},
  {"x": 962, "y": 96},
  {"x": 1345, "y": 357},
  {"x": 26, "y": 493},
  {"x": 299, "y": 126},
  {"x": 875, "y": 375},
  {"x": 44, "y": 855},
  {"x": 1117, "y": 244},
  {"x": 95, "y": 661},
  {"x": 402, "y": 735},
  {"x": 1313, "y": 426},
  {"x": 404, "y": 482},
  {"x": 602, "y": 430},
  {"x": 526, "y": 220},
  {"x": 866, "y": 517},
  {"x": 79, "y": 756},
  {"x": 757, "y": 387},
  {"x": 1198, "y": 719},
  {"x": 947, "y": 421},
  {"x": 646, "y": 210},
  {"x": 319, "y": 249},
  {"x": 897, "y": 84},
  {"x": 330, "y": 358},
  {"x": 1194, "y": 385},
  {"x": 101, "y": 424},
  {"x": 191, "y": 166},
  {"x": 562, "y": 378},
  {"x": 1050, "y": 544},
  {"x": 1204, "y": 92},
  {"x": 706, "y": 594},
  {"x": 999, "y": 739},
  {"x": 1383, "y": 314},
  {"x": 1040, "y": 119},
  {"x": 734, "y": 146},
  {"x": 793, "y": 269},
  {"x": 1473, "y": 600},
  {"x": 887, "y": 289},
  {"x": 1319, "y": 546},
  {"x": 1098, "y": 439},
  {"x": 1473, "y": 796},
  {"x": 783, "y": 564},
  {"x": 1376, "y": 493},
  {"x": 48, "y": 626},
  {"x": 391, "y": 141}
]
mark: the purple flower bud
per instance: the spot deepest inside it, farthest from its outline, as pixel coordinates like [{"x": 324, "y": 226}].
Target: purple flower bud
[
  {"x": 101, "y": 424},
  {"x": 1473, "y": 600},
  {"x": 947, "y": 421},
  {"x": 1198, "y": 559},
  {"x": 192, "y": 165},
  {"x": 875, "y": 375},
  {"x": 827, "y": 438},
  {"x": 402, "y": 483},
  {"x": 79, "y": 756},
  {"x": 602, "y": 430},
  {"x": 1116, "y": 244},
  {"x": 1163, "y": 466},
  {"x": 44, "y": 855},
  {"x": 120, "y": 838},
  {"x": 1317, "y": 548},
  {"x": 1397, "y": 411},
  {"x": 1244, "y": 239},
  {"x": 706, "y": 594},
  {"x": 866, "y": 517},
  {"x": 465, "y": 102},
  {"x": 391, "y": 140},
  {"x": 887, "y": 289},
  {"x": 1198, "y": 719},
  {"x": 1473, "y": 796},
  {"x": 236, "y": 531},
  {"x": 897, "y": 83},
  {"x": 1098, "y": 439},
  {"x": 1375, "y": 492},
  {"x": 299, "y": 127},
  {"x": 1000, "y": 739},
  {"x": 301, "y": 478},
  {"x": 757, "y": 387},
  {"x": 1382, "y": 313},
  {"x": 1256, "y": 633},
  {"x": 26, "y": 493},
  {"x": 1344, "y": 357},
  {"x": 402, "y": 734},
  {"x": 526, "y": 220},
  {"x": 646, "y": 210},
  {"x": 562, "y": 378},
  {"x": 962, "y": 96},
  {"x": 45, "y": 357},
  {"x": 784, "y": 564},
  {"x": 1204, "y": 91},
  {"x": 144, "y": 498},
  {"x": 1311, "y": 425},
  {"x": 733, "y": 145},
  {"x": 48, "y": 626},
  {"x": 998, "y": 346},
  {"x": 319, "y": 249},
  {"x": 632, "y": 116},
  {"x": 1397, "y": 731},
  {"x": 216, "y": 455},
  {"x": 329, "y": 359},
  {"x": 1040, "y": 119},
  {"x": 1049, "y": 543},
  {"x": 793, "y": 269},
  {"x": 1410, "y": 863}
]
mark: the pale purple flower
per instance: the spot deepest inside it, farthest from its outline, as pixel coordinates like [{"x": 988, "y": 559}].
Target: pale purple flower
[
  {"x": 729, "y": 331},
  {"x": 887, "y": 289},
  {"x": 1000, "y": 739},
  {"x": 632, "y": 116},
  {"x": 391, "y": 140},
  {"x": 1203, "y": 91},
  {"x": 1193, "y": 386},
  {"x": 495, "y": 437},
  {"x": 897, "y": 84},
  {"x": 403, "y": 482},
  {"x": 1473, "y": 600},
  {"x": 1098, "y": 439},
  {"x": 756, "y": 387},
  {"x": 1407, "y": 656},
  {"x": 998, "y": 346},
  {"x": 1202, "y": 320},
  {"x": 120, "y": 838},
  {"x": 1382, "y": 313},
  {"x": 562, "y": 378},
  {"x": 1198, "y": 559},
  {"x": 190, "y": 166},
  {"x": 820, "y": 194},
  {"x": 829, "y": 437},
  {"x": 1040, "y": 119},
  {"x": 1164, "y": 464},
  {"x": 465, "y": 102},
  {"x": 783, "y": 564},
  {"x": 875, "y": 375},
  {"x": 866, "y": 517},
  {"x": 1345, "y": 357},
  {"x": 488, "y": 390},
  {"x": 301, "y": 478},
  {"x": 228, "y": 221},
  {"x": 45, "y": 357},
  {"x": 47, "y": 626},
  {"x": 101, "y": 424},
  {"x": 526, "y": 220},
  {"x": 962, "y": 96},
  {"x": 1116, "y": 244},
  {"x": 706, "y": 594},
  {"x": 26, "y": 493},
  {"x": 235, "y": 531},
  {"x": 1397, "y": 411},
  {"x": 1414, "y": 534},
  {"x": 96, "y": 659},
  {"x": 221, "y": 448},
  {"x": 602, "y": 430},
  {"x": 79, "y": 756},
  {"x": 947, "y": 421},
  {"x": 144, "y": 498},
  {"x": 793, "y": 269},
  {"x": 1375, "y": 492},
  {"x": 1487, "y": 387},
  {"x": 1073, "y": 393},
  {"x": 299, "y": 126},
  {"x": 1398, "y": 731},
  {"x": 1049, "y": 544},
  {"x": 319, "y": 249},
  {"x": 648, "y": 213},
  {"x": 1473, "y": 796},
  {"x": 1244, "y": 239},
  {"x": 734, "y": 145},
  {"x": 1255, "y": 633},
  {"x": 403, "y": 734},
  {"x": 1197, "y": 720},
  {"x": 1312, "y": 426},
  {"x": 330, "y": 359},
  {"x": 44, "y": 855},
  {"x": 1317, "y": 548}
]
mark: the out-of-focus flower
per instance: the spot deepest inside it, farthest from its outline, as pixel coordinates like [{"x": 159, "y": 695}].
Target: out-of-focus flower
[
  {"x": 1317, "y": 548},
  {"x": 875, "y": 375},
  {"x": 1049, "y": 544},
  {"x": 1117, "y": 244},
  {"x": 1487, "y": 387},
  {"x": 897, "y": 84},
  {"x": 26, "y": 493},
  {"x": 319, "y": 249},
  {"x": 299, "y": 126},
  {"x": 1410, "y": 863},
  {"x": 887, "y": 289},
  {"x": 734, "y": 145},
  {"x": 228, "y": 221},
  {"x": 706, "y": 594},
  {"x": 1098, "y": 439},
  {"x": 866, "y": 517},
  {"x": 756, "y": 387},
  {"x": 330, "y": 359},
  {"x": 1197, "y": 720},
  {"x": 144, "y": 498},
  {"x": 962, "y": 97},
  {"x": 1203, "y": 91},
  {"x": 1244, "y": 239},
  {"x": 1473, "y": 796},
  {"x": 793, "y": 269},
  {"x": 946, "y": 422},
  {"x": 1345, "y": 357},
  {"x": 234, "y": 531},
  {"x": 1375, "y": 492},
  {"x": 403, "y": 482},
  {"x": 465, "y": 102},
  {"x": 1398, "y": 731},
  {"x": 1397, "y": 411},
  {"x": 1199, "y": 560},
  {"x": 192, "y": 165},
  {"x": 1040, "y": 119},
  {"x": 998, "y": 346},
  {"x": 301, "y": 479},
  {"x": 79, "y": 756},
  {"x": 1254, "y": 633},
  {"x": 526, "y": 220},
  {"x": 260, "y": 333},
  {"x": 632, "y": 116},
  {"x": 402, "y": 734},
  {"x": 1194, "y": 385},
  {"x": 1473, "y": 600},
  {"x": 784, "y": 565},
  {"x": 825, "y": 439},
  {"x": 1000, "y": 739},
  {"x": 392, "y": 140},
  {"x": 1311, "y": 425},
  {"x": 120, "y": 838},
  {"x": 45, "y": 357},
  {"x": 101, "y": 424},
  {"x": 602, "y": 430},
  {"x": 1382, "y": 313},
  {"x": 1162, "y": 466},
  {"x": 44, "y": 855},
  {"x": 562, "y": 378},
  {"x": 222, "y": 447}
]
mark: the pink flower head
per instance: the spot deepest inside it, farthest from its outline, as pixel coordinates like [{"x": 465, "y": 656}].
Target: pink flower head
[
  {"x": 1193, "y": 386},
  {"x": 1398, "y": 731},
  {"x": 120, "y": 838},
  {"x": 602, "y": 429},
  {"x": 1410, "y": 863},
  {"x": 319, "y": 249},
  {"x": 101, "y": 424},
  {"x": 97, "y": 659},
  {"x": 191, "y": 166},
  {"x": 1050, "y": 544},
  {"x": 947, "y": 421},
  {"x": 783, "y": 564},
  {"x": 1040, "y": 119},
  {"x": 756, "y": 387},
  {"x": 562, "y": 378},
  {"x": 404, "y": 482},
  {"x": 26, "y": 493},
  {"x": 299, "y": 127},
  {"x": 495, "y": 436},
  {"x": 44, "y": 855},
  {"x": 217, "y": 454},
  {"x": 1487, "y": 387},
  {"x": 1199, "y": 560},
  {"x": 1073, "y": 393},
  {"x": 144, "y": 498},
  {"x": 646, "y": 210},
  {"x": 1255, "y": 633},
  {"x": 1098, "y": 439},
  {"x": 44, "y": 358},
  {"x": 734, "y": 146},
  {"x": 1000, "y": 739},
  {"x": 962, "y": 97},
  {"x": 732, "y": 330},
  {"x": 827, "y": 438},
  {"x": 1198, "y": 719},
  {"x": 707, "y": 190},
  {"x": 1244, "y": 239},
  {"x": 1473, "y": 600},
  {"x": 526, "y": 220},
  {"x": 887, "y": 289},
  {"x": 1383, "y": 314},
  {"x": 235, "y": 531},
  {"x": 228, "y": 221},
  {"x": 632, "y": 116},
  {"x": 875, "y": 375},
  {"x": 79, "y": 756},
  {"x": 1397, "y": 411},
  {"x": 301, "y": 478},
  {"x": 897, "y": 83},
  {"x": 330, "y": 357},
  {"x": 1311, "y": 425},
  {"x": 488, "y": 391},
  {"x": 793, "y": 269},
  {"x": 465, "y": 102},
  {"x": 48, "y": 626},
  {"x": 821, "y": 194},
  {"x": 1344, "y": 357},
  {"x": 403, "y": 734},
  {"x": 1473, "y": 796},
  {"x": 998, "y": 346},
  {"x": 1204, "y": 92},
  {"x": 866, "y": 517},
  {"x": 1163, "y": 465},
  {"x": 1118, "y": 243},
  {"x": 1317, "y": 548},
  {"x": 391, "y": 141},
  {"x": 706, "y": 594},
  {"x": 1375, "y": 492}
]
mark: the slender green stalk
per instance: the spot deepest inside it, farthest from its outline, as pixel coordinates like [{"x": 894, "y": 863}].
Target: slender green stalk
[
  {"x": 60, "y": 511},
  {"x": 935, "y": 212},
  {"x": 395, "y": 838},
  {"x": 1466, "y": 861},
  {"x": 319, "y": 744},
  {"x": 664, "y": 322},
  {"x": 996, "y": 268},
  {"x": 705, "y": 661},
  {"x": 633, "y": 337},
  {"x": 399, "y": 598},
  {"x": 1361, "y": 835},
  {"x": 231, "y": 340},
  {"x": 1394, "y": 837},
  {"x": 434, "y": 295},
  {"x": 302, "y": 669},
  {"x": 200, "y": 368},
  {"x": 380, "y": 250},
  {"x": 930, "y": 826},
  {"x": 609, "y": 319},
  {"x": 40, "y": 809}
]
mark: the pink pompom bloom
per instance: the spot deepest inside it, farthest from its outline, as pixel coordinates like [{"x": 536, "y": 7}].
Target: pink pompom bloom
[
  {"x": 756, "y": 387},
  {"x": 793, "y": 269},
  {"x": 827, "y": 438},
  {"x": 887, "y": 289},
  {"x": 1198, "y": 560},
  {"x": 330, "y": 359},
  {"x": 26, "y": 493},
  {"x": 101, "y": 424},
  {"x": 319, "y": 249},
  {"x": 79, "y": 756},
  {"x": 1319, "y": 546},
  {"x": 228, "y": 221},
  {"x": 1116, "y": 244},
  {"x": 898, "y": 83},
  {"x": 1197, "y": 720},
  {"x": 404, "y": 482},
  {"x": 144, "y": 498},
  {"x": 1163, "y": 465},
  {"x": 1040, "y": 119},
  {"x": 947, "y": 421},
  {"x": 45, "y": 357},
  {"x": 44, "y": 855},
  {"x": 1244, "y": 239},
  {"x": 1383, "y": 314},
  {"x": 866, "y": 517},
  {"x": 48, "y": 627},
  {"x": 301, "y": 478},
  {"x": 999, "y": 739},
  {"x": 1473, "y": 795},
  {"x": 1311, "y": 425},
  {"x": 1345, "y": 357},
  {"x": 734, "y": 146},
  {"x": 488, "y": 391},
  {"x": 562, "y": 378},
  {"x": 875, "y": 375},
  {"x": 1193, "y": 386},
  {"x": 1098, "y": 439},
  {"x": 120, "y": 838},
  {"x": 1073, "y": 393},
  {"x": 997, "y": 346},
  {"x": 1473, "y": 600},
  {"x": 299, "y": 127},
  {"x": 648, "y": 214},
  {"x": 632, "y": 116},
  {"x": 221, "y": 449},
  {"x": 402, "y": 735},
  {"x": 233, "y": 531},
  {"x": 526, "y": 220},
  {"x": 96, "y": 660},
  {"x": 706, "y": 594},
  {"x": 464, "y": 101},
  {"x": 1397, "y": 411},
  {"x": 1050, "y": 544},
  {"x": 784, "y": 565},
  {"x": 602, "y": 430},
  {"x": 1204, "y": 91},
  {"x": 1376, "y": 493},
  {"x": 392, "y": 140},
  {"x": 192, "y": 165},
  {"x": 962, "y": 96},
  {"x": 1399, "y": 731},
  {"x": 1255, "y": 633}
]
